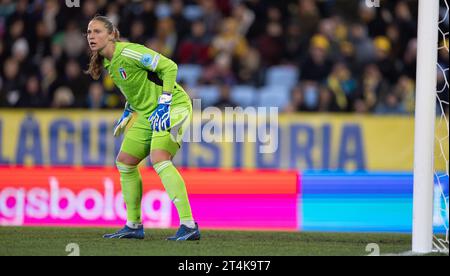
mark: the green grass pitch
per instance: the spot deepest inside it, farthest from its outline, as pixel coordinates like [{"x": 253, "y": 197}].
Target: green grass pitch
[{"x": 53, "y": 241}]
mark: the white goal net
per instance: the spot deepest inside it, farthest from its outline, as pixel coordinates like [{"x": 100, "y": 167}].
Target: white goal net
[{"x": 441, "y": 154}]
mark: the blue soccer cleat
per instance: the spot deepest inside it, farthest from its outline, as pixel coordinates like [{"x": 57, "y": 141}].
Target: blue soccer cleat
[
  {"x": 127, "y": 233},
  {"x": 185, "y": 233}
]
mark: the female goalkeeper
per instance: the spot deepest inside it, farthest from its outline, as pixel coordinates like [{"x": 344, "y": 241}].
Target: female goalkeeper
[{"x": 163, "y": 110}]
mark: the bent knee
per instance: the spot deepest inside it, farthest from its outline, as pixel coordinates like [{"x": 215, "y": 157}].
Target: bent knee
[
  {"x": 127, "y": 159},
  {"x": 157, "y": 156}
]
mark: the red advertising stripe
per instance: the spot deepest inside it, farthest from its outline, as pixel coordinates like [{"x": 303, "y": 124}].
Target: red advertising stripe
[
  {"x": 197, "y": 181},
  {"x": 222, "y": 199},
  {"x": 241, "y": 181}
]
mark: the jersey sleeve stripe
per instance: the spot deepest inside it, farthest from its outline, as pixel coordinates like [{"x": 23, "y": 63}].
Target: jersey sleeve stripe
[
  {"x": 130, "y": 56},
  {"x": 133, "y": 57},
  {"x": 126, "y": 53},
  {"x": 132, "y": 52}
]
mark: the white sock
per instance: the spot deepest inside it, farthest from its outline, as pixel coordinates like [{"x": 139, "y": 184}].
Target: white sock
[
  {"x": 188, "y": 223},
  {"x": 133, "y": 225}
]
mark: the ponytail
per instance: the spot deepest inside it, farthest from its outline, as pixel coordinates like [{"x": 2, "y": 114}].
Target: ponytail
[
  {"x": 95, "y": 65},
  {"x": 116, "y": 34}
]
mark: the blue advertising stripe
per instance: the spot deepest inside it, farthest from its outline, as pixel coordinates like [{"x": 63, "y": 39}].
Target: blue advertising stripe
[
  {"x": 350, "y": 213},
  {"x": 356, "y": 183},
  {"x": 364, "y": 202}
]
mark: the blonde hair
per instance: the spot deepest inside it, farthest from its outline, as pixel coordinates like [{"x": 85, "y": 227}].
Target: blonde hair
[{"x": 96, "y": 61}]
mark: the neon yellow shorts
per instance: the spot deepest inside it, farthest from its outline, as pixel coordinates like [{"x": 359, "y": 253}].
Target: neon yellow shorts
[{"x": 140, "y": 140}]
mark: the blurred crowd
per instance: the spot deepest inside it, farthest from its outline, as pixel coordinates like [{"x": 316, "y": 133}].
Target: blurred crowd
[{"x": 350, "y": 57}]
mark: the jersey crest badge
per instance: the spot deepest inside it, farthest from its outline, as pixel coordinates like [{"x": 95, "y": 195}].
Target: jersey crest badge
[
  {"x": 122, "y": 73},
  {"x": 146, "y": 60}
]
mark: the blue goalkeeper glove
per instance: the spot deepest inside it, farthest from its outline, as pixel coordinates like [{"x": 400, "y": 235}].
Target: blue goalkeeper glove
[
  {"x": 121, "y": 124},
  {"x": 160, "y": 118}
]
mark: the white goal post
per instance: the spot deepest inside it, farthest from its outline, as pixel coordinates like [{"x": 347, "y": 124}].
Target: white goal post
[{"x": 425, "y": 117}]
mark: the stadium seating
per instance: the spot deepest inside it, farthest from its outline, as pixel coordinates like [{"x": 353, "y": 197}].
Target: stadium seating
[
  {"x": 192, "y": 12},
  {"x": 282, "y": 75},
  {"x": 208, "y": 94},
  {"x": 274, "y": 96},
  {"x": 189, "y": 74},
  {"x": 244, "y": 95},
  {"x": 162, "y": 10}
]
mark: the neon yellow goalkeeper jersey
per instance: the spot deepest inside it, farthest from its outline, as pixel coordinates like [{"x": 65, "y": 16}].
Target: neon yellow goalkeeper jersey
[{"x": 142, "y": 75}]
